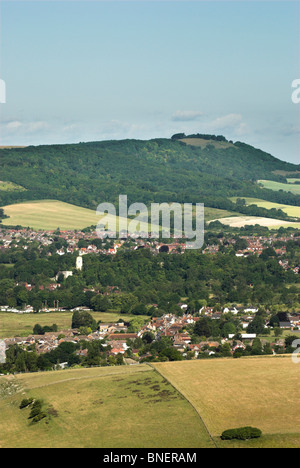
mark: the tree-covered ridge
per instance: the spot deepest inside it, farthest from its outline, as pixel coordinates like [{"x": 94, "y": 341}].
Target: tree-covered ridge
[{"x": 157, "y": 170}]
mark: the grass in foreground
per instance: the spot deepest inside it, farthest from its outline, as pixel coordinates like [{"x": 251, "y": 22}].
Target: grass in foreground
[
  {"x": 259, "y": 392},
  {"x": 124, "y": 407}
]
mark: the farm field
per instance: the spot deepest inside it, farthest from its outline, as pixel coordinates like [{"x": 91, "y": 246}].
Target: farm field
[
  {"x": 49, "y": 215},
  {"x": 293, "y": 181},
  {"x": 216, "y": 213},
  {"x": 53, "y": 214},
  {"x": 270, "y": 184},
  {"x": 110, "y": 407},
  {"x": 288, "y": 209},
  {"x": 258, "y": 391},
  {"x": 272, "y": 223},
  {"x": 22, "y": 324}
]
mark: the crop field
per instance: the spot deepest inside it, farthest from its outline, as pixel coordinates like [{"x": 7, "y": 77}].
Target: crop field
[
  {"x": 261, "y": 392},
  {"x": 288, "y": 209},
  {"x": 272, "y": 223},
  {"x": 110, "y": 407},
  {"x": 22, "y": 324},
  {"x": 49, "y": 215},
  {"x": 270, "y": 184},
  {"x": 53, "y": 214}
]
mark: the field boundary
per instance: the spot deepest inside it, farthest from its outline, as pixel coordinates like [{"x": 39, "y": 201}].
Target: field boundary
[{"x": 188, "y": 400}]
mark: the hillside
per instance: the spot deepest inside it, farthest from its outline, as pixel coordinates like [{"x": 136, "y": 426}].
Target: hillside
[
  {"x": 98, "y": 408},
  {"x": 53, "y": 214},
  {"x": 160, "y": 170}
]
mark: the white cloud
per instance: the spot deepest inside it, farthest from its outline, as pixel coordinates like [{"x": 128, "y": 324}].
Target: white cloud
[
  {"x": 184, "y": 116},
  {"x": 231, "y": 123},
  {"x": 25, "y": 127}
]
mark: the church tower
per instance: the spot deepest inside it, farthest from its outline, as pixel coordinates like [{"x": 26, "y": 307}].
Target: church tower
[{"x": 79, "y": 263}]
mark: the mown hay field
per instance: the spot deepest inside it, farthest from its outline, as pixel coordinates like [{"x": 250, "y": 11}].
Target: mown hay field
[
  {"x": 259, "y": 391},
  {"x": 53, "y": 214}
]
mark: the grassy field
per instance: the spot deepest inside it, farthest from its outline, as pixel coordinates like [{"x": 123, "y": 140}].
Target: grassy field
[
  {"x": 203, "y": 143},
  {"x": 258, "y": 391},
  {"x": 271, "y": 223},
  {"x": 270, "y": 184},
  {"x": 111, "y": 407},
  {"x": 51, "y": 214},
  {"x": 22, "y": 324},
  {"x": 293, "y": 181},
  {"x": 216, "y": 213},
  {"x": 288, "y": 209}
]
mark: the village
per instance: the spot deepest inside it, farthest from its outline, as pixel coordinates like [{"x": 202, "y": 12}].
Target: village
[
  {"x": 83, "y": 243},
  {"x": 119, "y": 341}
]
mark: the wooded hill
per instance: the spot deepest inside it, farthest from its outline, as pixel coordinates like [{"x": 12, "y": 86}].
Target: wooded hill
[{"x": 206, "y": 170}]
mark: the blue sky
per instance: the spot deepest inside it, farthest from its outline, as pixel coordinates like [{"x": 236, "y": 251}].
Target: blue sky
[{"x": 95, "y": 70}]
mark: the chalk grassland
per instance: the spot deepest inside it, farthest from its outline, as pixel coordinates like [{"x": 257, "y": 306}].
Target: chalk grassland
[
  {"x": 203, "y": 143},
  {"x": 288, "y": 209},
  {"x": 112, "y": 407},
  {"x": 22, "y": 324},
  {"x": 270, "y": 184},
  {"x": 261, "y": 391}
]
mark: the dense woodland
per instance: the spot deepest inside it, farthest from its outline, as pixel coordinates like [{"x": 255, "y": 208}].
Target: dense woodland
[
  {"x": 138, "y": 279},
  {"x": 165, "y": 170}
]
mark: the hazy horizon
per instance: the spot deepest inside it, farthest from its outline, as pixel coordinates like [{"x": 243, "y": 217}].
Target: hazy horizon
[{"x": 108, "y": 70}]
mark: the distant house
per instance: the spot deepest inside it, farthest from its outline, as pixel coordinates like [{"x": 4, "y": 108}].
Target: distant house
[
  {"x": 122, "y": 336},
  {"x": 251, "y": 310},
  {"x": 295, "y": 320},
  {"x": 245, "y": 336},
  {"x": 66, "y": 274},
  {"x": 285, "y": 325}
]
